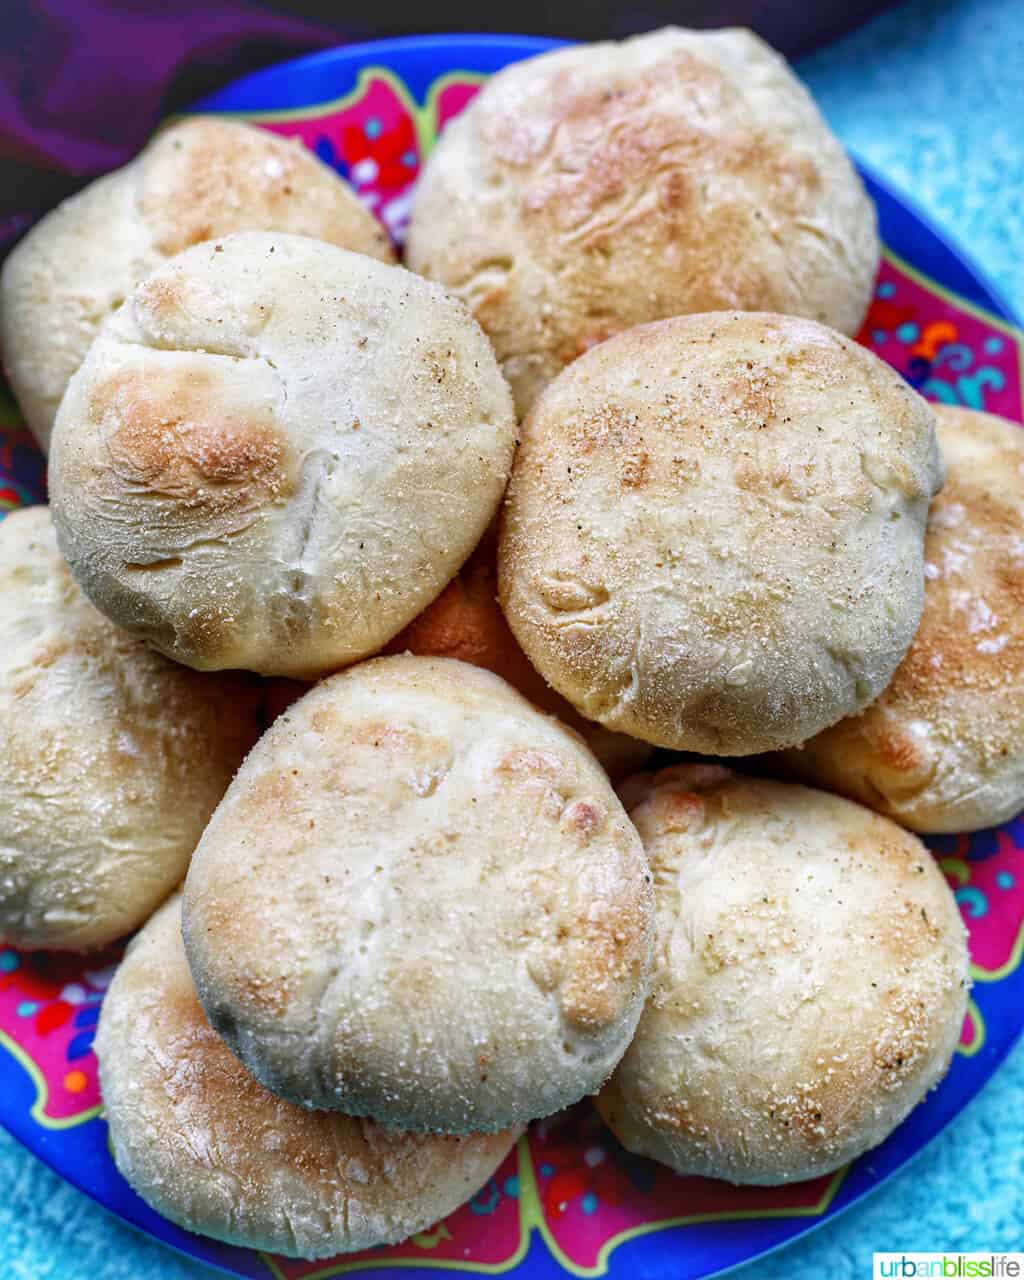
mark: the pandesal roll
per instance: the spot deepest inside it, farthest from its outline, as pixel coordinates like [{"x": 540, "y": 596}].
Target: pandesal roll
[
  {"x": 208, "y": 1147},
  {"x": 202, "y": 177},
  {"x": 277, "y": 453},
  {"x": 810, "y": 983}
]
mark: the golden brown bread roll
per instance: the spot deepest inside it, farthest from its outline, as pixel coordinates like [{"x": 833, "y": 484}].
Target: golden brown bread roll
[
  {"x": 277, "y": 453},
  {"x": 810, "y": 979},
  {"x": 112, "y": 758},
  {"x": 465, "y": 622},
  {"x": 200, "y": 178},
  {"x": 942, "y": 748},
  {"x": 599, "y": 187},
  {"x": 713, "y": 535},
  {"x": 212, "y": 1150},
  {"x": 446, "y": 922}
]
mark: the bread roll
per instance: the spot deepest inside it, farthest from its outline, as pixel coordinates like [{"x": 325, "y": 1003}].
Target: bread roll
[
  {"x": 942, "y": 748},
  {"x": 810, "y": 984},
  {"x": 200, "y": 178},
  {"x": 446, "y": 916},
  {"x": 111, "y": 758},
  {"x": 465, "y": 622},
  {"x": 599, "y": 187},
  {"x": 277, "y": 453},
  {"x": 212, "y": 1150},
  {"x": 714, "y": 529}
]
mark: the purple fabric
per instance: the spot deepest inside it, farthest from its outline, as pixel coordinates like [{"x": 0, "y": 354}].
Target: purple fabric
[{"x": 83, "y": 82}]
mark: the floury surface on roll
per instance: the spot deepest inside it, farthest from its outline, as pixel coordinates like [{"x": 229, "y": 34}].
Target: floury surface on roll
[
  {"x": 277, "y": 453},
  {"x": 112, "y": 758},
  {"x": 598, "y": 187},
  {"x": 713, "y": 536},
  {"x": 200, "y": 178},
  {"x": 447, "y": 917},
  {"x": 810, "y": 979},
  {"x": 942, "y": 748},
  {"x": 208, "y": 1147}
]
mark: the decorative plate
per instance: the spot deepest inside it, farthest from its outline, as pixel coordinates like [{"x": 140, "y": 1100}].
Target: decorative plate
[{"x": 569, "y": 1199}]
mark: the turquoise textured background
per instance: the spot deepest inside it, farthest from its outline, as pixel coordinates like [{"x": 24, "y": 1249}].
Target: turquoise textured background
[{"x": 932, "y": 95}]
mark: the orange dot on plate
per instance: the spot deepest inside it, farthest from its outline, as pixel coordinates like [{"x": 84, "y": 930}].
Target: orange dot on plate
[{"x": 75, "y": 1081}]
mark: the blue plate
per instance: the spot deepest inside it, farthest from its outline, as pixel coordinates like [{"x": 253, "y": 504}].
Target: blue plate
[{"x": 569, "y": 1199}]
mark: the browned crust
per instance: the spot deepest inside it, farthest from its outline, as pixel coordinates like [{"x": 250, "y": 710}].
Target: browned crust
[
  {"x": 112, "y": 758},
  {"x": 437, "y": 871},
  {"x": 591, "y": 190},
  {"x": 712, "y": 533},
  {"x": 466, "y": 622},
  {"x": 212, "y": 1149},
  {"x": 950, "y": 721},
  {"x": 173, "y": 434},
  {"x": 812, "y": 964},
  {"x": 206, "y": 177}
]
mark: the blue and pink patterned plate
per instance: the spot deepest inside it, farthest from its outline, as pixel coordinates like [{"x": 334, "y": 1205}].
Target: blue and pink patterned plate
[{"x": 569, "y": 1199}]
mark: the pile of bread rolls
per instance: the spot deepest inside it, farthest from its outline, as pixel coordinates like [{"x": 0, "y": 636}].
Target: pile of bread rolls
[{"x": 602, "y": 472}]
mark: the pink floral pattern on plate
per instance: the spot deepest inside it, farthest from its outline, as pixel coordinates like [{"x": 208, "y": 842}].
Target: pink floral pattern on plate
[
  {"x": 952, "y": 354},
  {"x": 49, "y": 1005}
]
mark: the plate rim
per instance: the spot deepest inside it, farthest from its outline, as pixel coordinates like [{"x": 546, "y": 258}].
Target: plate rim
[
  {"x": 365, "y": 54},
  {"x": 501, "y": 41}
]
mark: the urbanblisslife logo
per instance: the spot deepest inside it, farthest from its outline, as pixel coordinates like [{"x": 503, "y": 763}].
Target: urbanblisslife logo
[{"x": 948, "y": 1266}]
